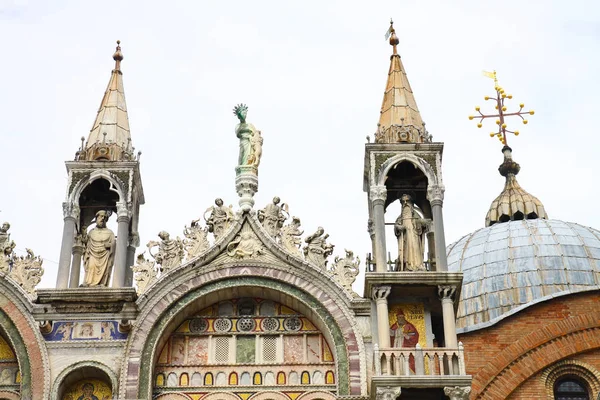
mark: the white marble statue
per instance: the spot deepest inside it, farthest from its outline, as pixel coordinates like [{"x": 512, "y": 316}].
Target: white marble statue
[
  {"x": 4, "y": 235},
  {"x": 245, "y": 245},
  {"x": 27, "y": 271},
  {"x": 291, "y": 236},
  {"x": 273, "y": 216},
  {"x": 256, "y": 143},
  {"x": 410, "y": 230},
  {"x": 219, "y": 219},
  {"x": 345, "y": 270},
  {"x": 170, "y": 251},
  {"x": 99, "y": 253},
  {"x": 317, "y": 249},
  {"x": 145, "y": 273}
]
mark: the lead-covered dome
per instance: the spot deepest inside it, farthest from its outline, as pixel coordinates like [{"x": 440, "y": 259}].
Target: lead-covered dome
[{"x": 512, "y": 265}]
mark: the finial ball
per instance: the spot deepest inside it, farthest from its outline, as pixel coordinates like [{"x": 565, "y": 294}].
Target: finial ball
[{"x": 118, "y": 42}]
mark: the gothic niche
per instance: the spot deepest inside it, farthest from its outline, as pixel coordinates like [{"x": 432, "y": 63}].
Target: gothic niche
[
  {"x": 246, "y": 344},
  {"x": 98, "y": 195},
  {"x": 409, "y": 228},
  {"x": 10, "y": 376}
]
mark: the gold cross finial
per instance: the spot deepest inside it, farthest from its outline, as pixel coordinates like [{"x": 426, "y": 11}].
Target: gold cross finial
[{"x": 499, "y": 98}]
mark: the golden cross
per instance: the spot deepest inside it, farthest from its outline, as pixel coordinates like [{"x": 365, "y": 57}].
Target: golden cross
[{"x": 499, "y": 98}]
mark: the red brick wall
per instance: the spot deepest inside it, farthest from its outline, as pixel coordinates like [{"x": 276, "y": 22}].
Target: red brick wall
[{"x": 511, "y": 353}]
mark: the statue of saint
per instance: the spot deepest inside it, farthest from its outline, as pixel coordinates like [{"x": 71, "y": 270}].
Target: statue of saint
[
  {"x": 410, "y": 230},
  {"x": 170, "y": 251},
  {"x": 244, "y": 132},
  {"x": 219, "y": 219},
  {"x": 99, "y": 253},
  {"x": 245, "y": 245},
  {"x": 290, "y": 236},
  {"x": 317, "y": 249},
  {"x": 273, "y": 217},
  {"x": 4, "y": 235}
]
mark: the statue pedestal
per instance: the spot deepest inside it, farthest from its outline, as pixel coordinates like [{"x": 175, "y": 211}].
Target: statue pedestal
[{"x": 246, "y": 185}]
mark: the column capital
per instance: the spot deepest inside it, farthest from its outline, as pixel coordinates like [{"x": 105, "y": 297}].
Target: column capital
[
  {"x": 435, "y": 194},
  {"x": 446, "y": 292},
  {"x": 457, "y": 392},
  {"x": 71, "y": 210},
  {"x": 123, "y": 211},
  {"x": 378, "y": 193},
  {"x": 388, "y": 393},
  {"x": 379, "y": 293}
]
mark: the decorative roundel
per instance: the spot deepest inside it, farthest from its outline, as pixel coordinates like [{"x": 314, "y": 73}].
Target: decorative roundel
[
  {"x": 292, "y": 324},
  {"x": 198, "y": 325},
  {"x": 246, "y": 324},
  {"x": 222, "y": 325},
  {"x": 270, "y": 324}
]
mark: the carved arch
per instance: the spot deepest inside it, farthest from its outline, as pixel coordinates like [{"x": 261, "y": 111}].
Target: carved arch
[
  {"x": 99, "y": 174},
  {"x": 317, "y": 396},
  {"x": 58, "y": 383},
  {"x": 418, "y": 162},
  {"x": 571, "y": 367},
  {"x": 151, "y": 334},
  {"x": 23, "y": 334}
]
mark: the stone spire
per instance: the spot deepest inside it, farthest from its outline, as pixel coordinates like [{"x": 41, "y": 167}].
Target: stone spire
[
  {"x": 400, "y": 120},
  {"x": 514, "y": 203},
  {"x": 109, "y": 139}
]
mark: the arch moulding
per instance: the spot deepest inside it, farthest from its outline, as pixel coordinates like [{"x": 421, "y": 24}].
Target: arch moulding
[
  {"x": 418, "y": 162},
  {"x": 82, "y": 364}
]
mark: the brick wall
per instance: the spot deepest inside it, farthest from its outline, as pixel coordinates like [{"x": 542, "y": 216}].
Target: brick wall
[{"x": 505, "y": 359}]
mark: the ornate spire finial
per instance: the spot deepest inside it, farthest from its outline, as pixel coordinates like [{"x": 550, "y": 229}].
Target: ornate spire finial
[
  {"x": 393, "y": 38},
  {"x": 118, "y": 56},
  {"x": 499, "y": 98}
]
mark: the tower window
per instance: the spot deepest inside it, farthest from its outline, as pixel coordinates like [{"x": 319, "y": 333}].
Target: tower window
[{"x": 570, "y": 389}]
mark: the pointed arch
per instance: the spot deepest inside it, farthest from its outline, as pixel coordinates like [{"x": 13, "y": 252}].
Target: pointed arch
[{"x": 418, "y": 162}]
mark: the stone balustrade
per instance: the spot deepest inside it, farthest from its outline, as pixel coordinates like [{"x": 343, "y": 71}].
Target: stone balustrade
[{"x": 435, "y": 361}]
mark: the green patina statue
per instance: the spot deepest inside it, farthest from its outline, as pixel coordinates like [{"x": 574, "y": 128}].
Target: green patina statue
[{"x": 250, "y": 138}]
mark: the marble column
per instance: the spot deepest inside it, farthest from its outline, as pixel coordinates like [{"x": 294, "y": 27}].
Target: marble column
[
  {"x": 379, "y": 295},
  {"x": 446, "y": 294},
  {"x": 71, "y": 215},
  {"x": 134, "y": 242},
  {"x": 378, "y": 194},
  {"x": 435, "y": 195},
  {"x": 123, "y": 218},
  {"x": 78, "y": 249},
  {"x": 371, "y": 230}
]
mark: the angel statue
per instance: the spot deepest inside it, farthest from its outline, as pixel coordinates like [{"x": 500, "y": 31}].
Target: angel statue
[
  {"x": 273, "y": 216},
  {"x": 410, "y": 230},
  {"x": 170, "y": 251},
  {"x": 219, "y": 219}
]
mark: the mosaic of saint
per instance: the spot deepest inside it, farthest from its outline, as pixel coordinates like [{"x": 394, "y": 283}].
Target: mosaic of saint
[
  {"x": 245, "y": 346},
  {"x": 88, "y": 389},
  {"x": 407, "y": 325}
]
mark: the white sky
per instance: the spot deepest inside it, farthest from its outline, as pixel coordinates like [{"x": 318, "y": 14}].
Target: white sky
[{"x": 313, "y": 75}]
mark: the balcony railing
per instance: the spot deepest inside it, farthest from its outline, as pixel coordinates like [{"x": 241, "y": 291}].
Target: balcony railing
[
  {"x": 435, "y": 361},
  {"x": 391, "y": 264}
]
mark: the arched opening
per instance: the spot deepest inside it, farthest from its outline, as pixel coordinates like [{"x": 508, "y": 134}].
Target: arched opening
[
  {"x": 84, "y": 381},
  {"x": 244, "y": 342},
  {"x": 571, "y": 388},
  {"x": 98, "y": 195}
]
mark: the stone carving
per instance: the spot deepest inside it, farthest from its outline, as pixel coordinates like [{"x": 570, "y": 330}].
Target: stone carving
[
  {"x": 27, "y": 271},
  {"x": 446, "y": 292},
  {"x": 99, "y": 253},
  {"x": 388, "y": 393},
  {"x": 145, "y": 273},
  {"x": 195, "y": 241},
  {"x": 245, "y": 245},
  {"x": 219, "y": 219},
  {"x": 7, "y": 247},
  {"x": 410, "y": 230},
  {"x": 291, "y": 236},
  {"x": 256, "y": 143},
  {"x": 244, "y": 132},
  {"x": 170, "y": 251},
  {"x": 4, "y": 235},
  {"x": 457, "y": 392},
  {"x": 273, "y": 216},
  {"x": 317, "y": 249},
  {"x": 345, "y": 270}
]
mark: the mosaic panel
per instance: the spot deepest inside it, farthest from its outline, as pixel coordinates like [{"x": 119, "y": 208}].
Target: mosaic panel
[
  {"x": 85, "y": 330},
  {"x": 92, "y": 389}
]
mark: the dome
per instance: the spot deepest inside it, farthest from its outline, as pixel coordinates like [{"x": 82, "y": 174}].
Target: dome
[{"x": 512, "y": 265}]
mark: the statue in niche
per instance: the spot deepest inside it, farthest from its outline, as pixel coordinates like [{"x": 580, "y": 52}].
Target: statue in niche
[
  {"x": 170, "y": 251},
  {"x": 219, "y": 219},
  {"x": 99, "y": 253},
  {"x": 345, "y": 270},
  {"x": 272, "y": 217},
  {"x": 317, "y": 249},
  {"x": 410, "y": 230},
  {"x": 291, "y": 236},
  {"x": 145, "y": 273},
  {"x": 195, "y": 241},
  {"x": 245, "y": 245}
]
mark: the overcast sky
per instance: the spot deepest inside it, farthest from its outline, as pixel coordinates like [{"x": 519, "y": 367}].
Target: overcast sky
[{"x": 313, "y": 75}]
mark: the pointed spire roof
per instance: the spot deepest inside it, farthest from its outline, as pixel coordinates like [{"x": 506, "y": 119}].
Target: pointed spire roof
[
  {"x": 109, "y": 138},
  {"x": 400, "y": 119},
  {"x": 513, "y": 203}
]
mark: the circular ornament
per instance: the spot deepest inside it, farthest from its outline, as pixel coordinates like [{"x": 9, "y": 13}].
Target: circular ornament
[
  {"x": 222, "y": 325},
  {"x": 246, "y": 324},
  {"x": 292, "y": 324},
  {"x": 198, "y": 325},
  {"x": 270, "y": 324}
]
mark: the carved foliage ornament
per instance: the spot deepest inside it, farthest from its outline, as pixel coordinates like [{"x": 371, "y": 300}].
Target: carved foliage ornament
[
  {"x": 26, "y": 270},
  {"x": 345, "y": 270},
  {"x": 388, "y": 393},
  {"x": 457, "y": 392}
]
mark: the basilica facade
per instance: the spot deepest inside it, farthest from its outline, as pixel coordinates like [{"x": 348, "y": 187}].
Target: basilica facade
[{"x": 250, "y": 306}]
